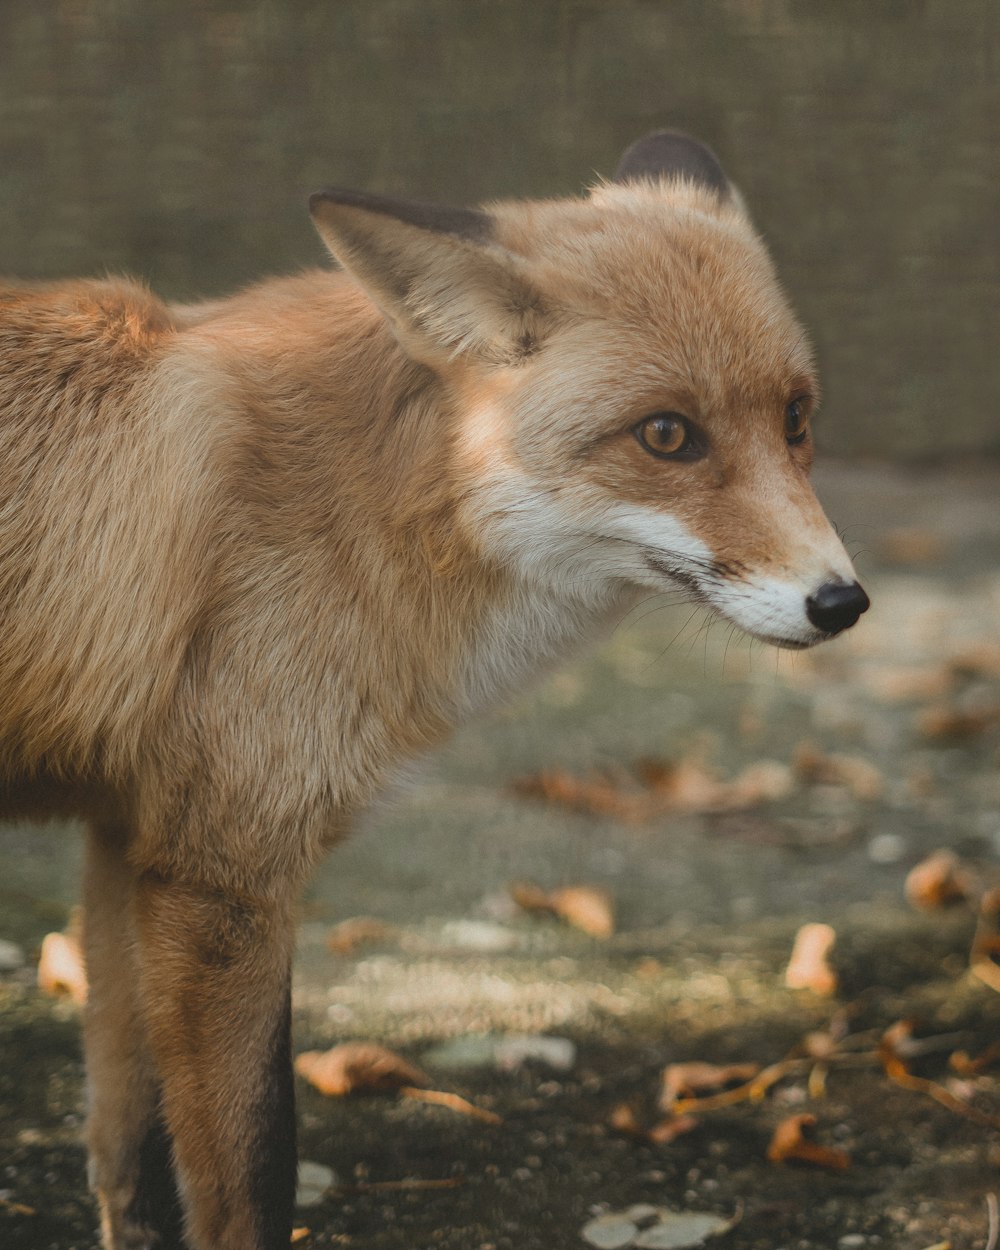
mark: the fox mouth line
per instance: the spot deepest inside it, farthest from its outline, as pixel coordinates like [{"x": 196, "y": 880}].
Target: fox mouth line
[{"x": 698, "y": 595}]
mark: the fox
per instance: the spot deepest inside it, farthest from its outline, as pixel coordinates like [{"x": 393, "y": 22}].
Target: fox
[{"x": 260, "y": 553}]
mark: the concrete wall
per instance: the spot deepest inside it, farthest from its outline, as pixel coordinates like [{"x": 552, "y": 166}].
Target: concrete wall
[{"x": 179, "y": 138}]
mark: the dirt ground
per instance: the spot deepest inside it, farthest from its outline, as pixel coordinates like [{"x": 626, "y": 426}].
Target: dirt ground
[{"x": 707, "y": 902}]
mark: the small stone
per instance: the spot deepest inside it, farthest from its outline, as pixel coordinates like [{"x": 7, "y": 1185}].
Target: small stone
[
  {"x": 678, "y": 1230},
  {"x": 609, "y": 1232},
  {"x": 852, "y": 1241},
  {"x": 886, "y": 848},
  {"x": 513, "y": 1052},
  {"x": 643, "y": 1213},
  {"x": 11, "y": 956},
  {"x": 476, "y": 1050},
  {"x": 484, "y": 936},
  {"x": 314, "y": 1181}
]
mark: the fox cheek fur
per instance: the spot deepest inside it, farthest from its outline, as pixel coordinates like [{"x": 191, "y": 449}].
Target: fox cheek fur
[{"x": 254, "y": 553}]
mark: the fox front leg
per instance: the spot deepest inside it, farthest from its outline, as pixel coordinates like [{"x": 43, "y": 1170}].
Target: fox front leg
[
  {"x": 129, "y": 1148},
  {"x": 215, "y": 982}
]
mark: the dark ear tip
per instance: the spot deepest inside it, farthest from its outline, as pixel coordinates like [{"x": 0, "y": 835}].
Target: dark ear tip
[
  {"x": 331, "y": 195},
  {"x": 670, "y": 154},
  {"x": 464, "y": 223}
]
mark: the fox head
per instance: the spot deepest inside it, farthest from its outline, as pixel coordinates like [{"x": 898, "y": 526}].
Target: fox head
[{"x": 631, "y": 392}]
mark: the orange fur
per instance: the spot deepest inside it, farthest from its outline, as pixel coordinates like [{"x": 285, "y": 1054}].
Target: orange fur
[{"x": 256, "y": 554}]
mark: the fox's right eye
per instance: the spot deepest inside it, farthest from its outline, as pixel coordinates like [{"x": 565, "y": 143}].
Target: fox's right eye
[{"x": 665, "y": 434}]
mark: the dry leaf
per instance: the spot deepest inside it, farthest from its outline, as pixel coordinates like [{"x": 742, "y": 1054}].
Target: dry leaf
[
  {"x": 964, "y": 1064},
  {"x": 454, "y": 1102},
  {"x": 954, "y": 724},
  {"x": 791, "y": 1143},
  {"x": 357, "y": 1065},
  {"x": 668, "y": 1130},
  {"x": 896, "y": 1045},
  {"x": 808, "y": 968},
  {"x": 984, "y": 958},
  {"x": 862, "y": 779},
  {"x": 820, "y": 1046},
  {"x": 938, "y": 881},
  {"x": 977, "y": 659},
  {"x": 816, "y": 1084},
  {"x": 898, "y": 685},
  {"x": 530, "y": 896},
  {"x": 690, "y": 786},
  {"x": 682, "y": 1080},
  {"x": 346, "y": 937},
  {"x": 625, "y": 1119},
  {"x": 300, "y": 1234},
  {"x": 684, "y": 785},
  {"x": 61, "y": 968},
  {"x": 586, "y": 907},
  {"x": 593, "y": 796}
]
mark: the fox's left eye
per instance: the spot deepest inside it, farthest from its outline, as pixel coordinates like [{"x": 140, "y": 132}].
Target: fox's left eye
[
  {"x": 666, "y": 434},
  {"x": 796, "y": 421}
]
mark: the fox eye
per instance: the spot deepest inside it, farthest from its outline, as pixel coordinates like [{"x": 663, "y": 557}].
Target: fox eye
[
  {"x": 796, "y": 421},
  {"x": 665, "y": 434}
]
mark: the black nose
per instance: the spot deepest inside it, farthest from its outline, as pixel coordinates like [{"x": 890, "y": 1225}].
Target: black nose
[{"x": 836, "y": 606}]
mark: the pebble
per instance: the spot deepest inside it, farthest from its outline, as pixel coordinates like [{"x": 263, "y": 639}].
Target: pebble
[
  {"x": 886, "y": 848},
  {"x": 504, "y": 1052},
  {"x": 851, "y": 1241},
  {"x": 11, "y": 956},
  {"x": 477, "y": 1050},
  {"x": 314, "y": 1181},
  {"x": 558, "y": 1053},
  {"x": 609, "y": 1232},
  {"x": 673, "y": 1230},
  {"x": 485, "y": 936},
  {"x": 678, "y": 1230}
]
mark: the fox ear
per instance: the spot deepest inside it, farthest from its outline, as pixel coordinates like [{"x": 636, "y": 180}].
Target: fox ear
[
  {"x": 666, "y": 154},
  {"x": 447, "y": 288}
]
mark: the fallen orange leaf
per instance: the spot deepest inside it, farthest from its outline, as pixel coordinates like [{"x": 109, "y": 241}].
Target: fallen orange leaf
[
  {"x": 454, "y": 1102},
  {"x": 952, "y": 724},
  {"x": 684, "y": 785},
  {"x": 357, "y": 1065},
  {"x": 809, "y": 968},
  {"x": 347, "y": 936},
  {"x": 681, "y": 1080},
  {"x": 586, "y": 907},
  {"x": 984, "y": 958},
  {"x": 977, "y": 659},
  {"x": 964, "y": 1064},
  {"x": 896, "y": 1042},
  {"x": 624, "y": 1119},
  {"x": 790, "y": 1143},
  {"x": 666, "y": 1131},
  {"x": 862, "y": 779},
  {"x": 938, "y": 881},
  {"x": 61, "y": 968}
]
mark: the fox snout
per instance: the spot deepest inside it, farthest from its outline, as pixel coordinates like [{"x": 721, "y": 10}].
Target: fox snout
[{"x": 836, "y": 606}]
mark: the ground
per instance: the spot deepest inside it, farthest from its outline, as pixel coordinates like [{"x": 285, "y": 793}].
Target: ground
[{"x": 707, "y": 906}]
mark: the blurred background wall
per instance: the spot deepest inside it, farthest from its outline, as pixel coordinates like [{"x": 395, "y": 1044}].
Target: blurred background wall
[{"x": 178, "y": 139}]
